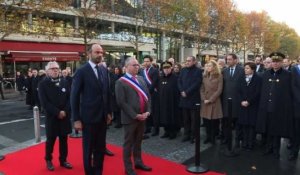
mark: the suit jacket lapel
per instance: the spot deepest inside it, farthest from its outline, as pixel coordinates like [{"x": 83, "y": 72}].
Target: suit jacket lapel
[{"x": 91, "y": 71}]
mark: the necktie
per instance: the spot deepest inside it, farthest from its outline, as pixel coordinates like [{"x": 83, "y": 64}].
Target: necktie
[
  {"x": 141, "y": 97},
  {"x": 231, "y": 72},
  {"x": 99, "y": 74}
]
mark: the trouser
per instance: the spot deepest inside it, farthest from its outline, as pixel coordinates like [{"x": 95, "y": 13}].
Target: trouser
[
  {"x": 189, "y": 116},
  {"x": 117, "y": 117},
  {"x": 1, "y": 91},
  {"x": 63, "y": 148},
  {"x": 248, "y": 136},
  {"x": 211, "y": 127},
  {"x": 133, "y": 136},
  {"x": 296, "y": 138},
  {"x": 229, "y": 125},
  {"x": 94, "y": 146}
]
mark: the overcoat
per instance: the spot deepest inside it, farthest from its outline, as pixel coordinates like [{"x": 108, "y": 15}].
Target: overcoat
[
  {"x": 249, "y": 91},
  {"x": 276, "y": 97},
  {"x": 55, "y": 97},
  {"x": 211, "y": 90}
]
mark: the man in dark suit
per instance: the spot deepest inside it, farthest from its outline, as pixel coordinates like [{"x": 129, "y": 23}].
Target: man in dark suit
[
  {"x": 295, "y": 71},
  {"x": 286, "y": 64},
  {"x": 231, "y": 76},
  {"x": 134, "y": 101},
  {"x": 151, "y": 77},
  {"x": 54, "y": 95},
  {"x": 91, "y": 109},
  {"x": 189, "y": 83},
  {"x": 259, "y": 66}
]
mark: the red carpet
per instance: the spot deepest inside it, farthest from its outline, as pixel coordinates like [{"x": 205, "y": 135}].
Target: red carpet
[{"x": 30, "y": 161}]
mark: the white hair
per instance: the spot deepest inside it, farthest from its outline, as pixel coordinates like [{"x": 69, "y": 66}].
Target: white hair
[{"x": 51, "y": 63}]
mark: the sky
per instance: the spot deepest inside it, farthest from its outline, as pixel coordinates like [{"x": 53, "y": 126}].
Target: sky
[{"x": 286, "y": 11}]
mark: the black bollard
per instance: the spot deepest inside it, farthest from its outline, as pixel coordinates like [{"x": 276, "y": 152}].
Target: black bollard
[
  {"x": 229, "y": 152},
  {"x": 198, "y": 167}
]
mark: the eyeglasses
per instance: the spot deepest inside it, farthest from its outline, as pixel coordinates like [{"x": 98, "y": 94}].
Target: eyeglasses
[{"x": 54, "y": 68}]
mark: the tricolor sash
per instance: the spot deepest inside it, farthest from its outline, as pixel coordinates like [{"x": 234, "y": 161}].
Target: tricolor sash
[
  {"x": 134, "y": 85},
  {"x": 147, "y": 77}
]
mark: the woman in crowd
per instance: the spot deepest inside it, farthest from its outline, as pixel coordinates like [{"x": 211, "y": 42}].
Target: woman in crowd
[
  {"x": 211, "y": 109},
  {"x": 249, "y": 92}
]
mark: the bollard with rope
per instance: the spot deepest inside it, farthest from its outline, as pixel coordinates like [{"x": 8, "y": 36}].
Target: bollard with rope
[
  {"x": 198, "y": 167},
  {"x": 36, "y": 118}
]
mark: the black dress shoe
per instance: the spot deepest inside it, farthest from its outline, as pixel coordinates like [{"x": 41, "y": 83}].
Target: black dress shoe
[
  {"x": 108, "y": 153},
  {"x": 143, "y": 167},
  {"x": 118, "y": 126},
  {"x": 186, "y": 138},
  {"x": 293, "y": 157},
  {"x": 66, "y": 165},
  {"x": 206, "y": 141},
  {"x": 145, "y": 137},
  {"x": 166, "y": 135},
  {"x": 50, "y": 166},
  {"x": 155, "y": 133},
  {"x": 268, "y": 152},
  {"x": 131, "y": 172},
  {"x": 1, "y": 157}
]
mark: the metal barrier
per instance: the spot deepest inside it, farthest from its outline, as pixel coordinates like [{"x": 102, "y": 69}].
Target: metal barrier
[{"x": 36, "y": 118}]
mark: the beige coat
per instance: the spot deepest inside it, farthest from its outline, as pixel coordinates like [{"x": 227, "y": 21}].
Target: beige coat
[{"x": 211, "y": 90}]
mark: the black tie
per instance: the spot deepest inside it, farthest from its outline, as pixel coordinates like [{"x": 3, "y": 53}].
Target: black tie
[
  {"x": 99, "y": 73},
  {"x": 231, "y": 72}
]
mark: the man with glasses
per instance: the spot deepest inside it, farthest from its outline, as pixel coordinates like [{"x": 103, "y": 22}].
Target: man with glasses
[
  {"x": 133, "y": 98},
  {"x": 54, "y": 94}
]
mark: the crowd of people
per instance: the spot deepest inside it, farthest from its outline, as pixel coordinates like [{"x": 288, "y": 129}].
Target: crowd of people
[{"x": 142, "y": 98}]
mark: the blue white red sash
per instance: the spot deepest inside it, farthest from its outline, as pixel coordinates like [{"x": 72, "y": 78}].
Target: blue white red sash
[
  {"x": 134, "y": 85},
  {"x": 147, "y": 77}
]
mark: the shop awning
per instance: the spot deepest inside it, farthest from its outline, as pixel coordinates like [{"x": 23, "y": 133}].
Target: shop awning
[{"x": 40, "y": 56}]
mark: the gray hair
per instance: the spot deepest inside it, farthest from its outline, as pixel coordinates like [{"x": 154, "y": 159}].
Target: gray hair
[
  {"x": 51, "y": 63},
  {"x": 127, "y": 61}
]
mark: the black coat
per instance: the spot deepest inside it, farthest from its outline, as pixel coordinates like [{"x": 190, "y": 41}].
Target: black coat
[
  {"x": 20, "y": 81},
  {"x": 295, "y": 71},
  {"x": 28, "y": 88},
  {"x": 189, "y": 81},
  {"x": 230, "y": 86},
  {"x": 169, "y": 101},
  {"x": 113, "y": 79},
  {"x": 34, "y": 90},
  {"x": 276, "y": 97},
  {"x": 55, "y": 98},
  {"x": 249, "y": 92}
]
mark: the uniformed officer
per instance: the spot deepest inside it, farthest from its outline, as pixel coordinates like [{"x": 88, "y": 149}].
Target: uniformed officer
[
  {"x": 54, "y": 95},
  {"x": 275, "y": 108}
]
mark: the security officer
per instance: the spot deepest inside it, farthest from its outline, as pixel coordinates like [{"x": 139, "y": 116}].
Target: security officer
[
  {"x": 54, "y": 95},
  {"x": 275, "y": 108}
]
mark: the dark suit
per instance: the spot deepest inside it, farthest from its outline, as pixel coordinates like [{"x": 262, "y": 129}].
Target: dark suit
[
  {"x": 154, "y": 118},
  {"x": 230, "y": 89},
  {"x": 90, "y": 104},
  {"x": 55, "y": 98},
  {"x": 128, "y": 101},
  {"x": 189, "y": 81}
]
